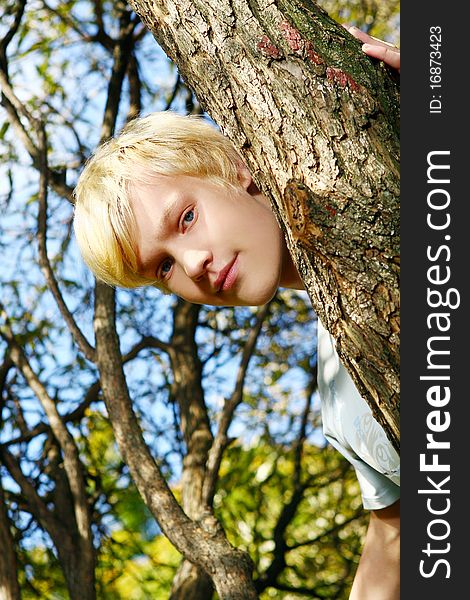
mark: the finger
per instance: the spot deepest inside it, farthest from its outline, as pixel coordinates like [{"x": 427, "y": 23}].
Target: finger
[
  {"x": 360, "y": 35},
  {"x": 366, "y": 38},
  {"x": 389, "y": 55},
  {"x": 382, "y": 43}
]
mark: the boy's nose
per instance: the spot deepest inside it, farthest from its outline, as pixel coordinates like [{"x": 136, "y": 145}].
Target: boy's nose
[{"x": 196, "y": 262}]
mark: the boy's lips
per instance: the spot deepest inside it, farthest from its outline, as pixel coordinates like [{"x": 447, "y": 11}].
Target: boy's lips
[{"x": 227, "y": 275}]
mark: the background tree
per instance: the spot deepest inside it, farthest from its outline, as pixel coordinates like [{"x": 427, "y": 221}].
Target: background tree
[
  {"x": 248, "y": 374},
  {"x": 8, "y": 569}
]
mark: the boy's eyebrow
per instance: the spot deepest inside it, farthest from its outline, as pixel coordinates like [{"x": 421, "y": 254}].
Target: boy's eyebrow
[
  {"x": 166, "y": 215},
  {"x": 161, "y": 229}
]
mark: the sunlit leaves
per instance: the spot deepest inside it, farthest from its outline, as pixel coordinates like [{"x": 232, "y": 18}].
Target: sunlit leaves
[{"x": 323, "y": 536}]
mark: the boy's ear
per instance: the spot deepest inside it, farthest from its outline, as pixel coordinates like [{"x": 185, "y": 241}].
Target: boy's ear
[{"x": 244, "y": 176}]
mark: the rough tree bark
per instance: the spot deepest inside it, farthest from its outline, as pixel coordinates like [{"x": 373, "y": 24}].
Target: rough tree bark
[{"x": 317, "y": 123}]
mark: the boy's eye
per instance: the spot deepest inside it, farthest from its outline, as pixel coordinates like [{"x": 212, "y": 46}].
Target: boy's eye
[
  {"x": 188, "y": 217},
  {"x": 165, "y": 267}
]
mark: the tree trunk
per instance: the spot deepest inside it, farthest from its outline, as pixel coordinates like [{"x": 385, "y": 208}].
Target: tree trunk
[
  {"x": 317, "y": 124},
  {"x": 190, "y": 582},
  {"x": 202, "y": 541},
  {"x": 78, "y": 572},
  {"x": 76, "y": 557},
  {"x": 9, "y": 588}
]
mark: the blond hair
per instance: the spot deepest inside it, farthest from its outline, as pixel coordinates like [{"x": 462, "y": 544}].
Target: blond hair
[{"x": 162, "y": 143}]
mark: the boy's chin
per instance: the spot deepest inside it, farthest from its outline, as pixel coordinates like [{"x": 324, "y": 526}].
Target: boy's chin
[{"x": 258, "y": 297}]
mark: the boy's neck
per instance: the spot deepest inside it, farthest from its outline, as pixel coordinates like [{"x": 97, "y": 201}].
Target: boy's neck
[{"x": 290, "y": 277}]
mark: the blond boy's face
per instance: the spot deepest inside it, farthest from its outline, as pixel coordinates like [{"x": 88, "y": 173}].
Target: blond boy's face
[{"x": 208, "y": 244}]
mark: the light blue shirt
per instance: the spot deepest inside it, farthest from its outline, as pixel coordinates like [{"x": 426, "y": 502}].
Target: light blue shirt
[{"x": 348, "y": 424}]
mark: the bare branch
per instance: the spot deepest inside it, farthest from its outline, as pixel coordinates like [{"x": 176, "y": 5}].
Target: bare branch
[
  {"x": 44, "y": 263},
  {"x": 135, "y": 88},
  {"x": 148, "y": 341},
  {"x": 101, "y": 37},
  {"x": 34, "y": 502},
  {"x": 74, "y": 416},
  {"x": 300, "y": 441},
  {"x": 279, "y": 561},
  {"x": 72, "y": 463},
  {"x": 176, "y": 87},
  {"x": 221, "y": 440},
  {"x": 98, "y": 6},
  {"x": 140, "y": 32},
  {"x": 90, "y": 397},
  {"x": 311, "y": 593},
  {"x": 121, "y": 56},
  {"x": 4, "y": 370},
  {"x": 13, "y": 29},
  {"x": 16, "y": 110},
  {"x": 324, "y": 534}
]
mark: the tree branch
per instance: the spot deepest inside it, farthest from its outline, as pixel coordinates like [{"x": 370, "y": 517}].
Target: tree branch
[
  {"x": 279, "y": 562},
  {"x": 300, "y": 440},
  {"x": 72, "y": 417},
  {"x": 90, "y": 397},
  {"x": 172, "y": 97},
  {"x": 101, "y": 36},
  {"x": 121, "y": 56},
  {"x": 135, "y": 88},
  {"x": 5, "y": 367},
  {"x": 13, "y": 29},
  {"x": 8, "y": 563},
  {"x": 34, "y": 502},
  {"x": 327, "y": 532},
  {"x": 311, "y": 593},
  {"x": 15, "y": 109},
  {"x": 82, "y": 342},
  {"x": 221, "y": 440},
  {"x": 72, "y": 463}
]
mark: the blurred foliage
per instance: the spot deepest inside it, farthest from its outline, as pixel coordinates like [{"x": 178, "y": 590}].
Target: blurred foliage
[
  {"x": 379, "y": 18},
  {"x": 135, "y": 562},
  {"x": 326, "y": 531}
]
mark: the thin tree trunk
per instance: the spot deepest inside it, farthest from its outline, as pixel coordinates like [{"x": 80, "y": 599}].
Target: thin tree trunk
[
  {"x": 203, "y": 542},
  {"x": 190, "y": 582},
  {"x": 9, "y": 588},
  {"x": 79, "y": 575},
  {"x": 77, "y": 561},
  {"x": 76, "y": 558},
  {"x": 317, "y": 124}
]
